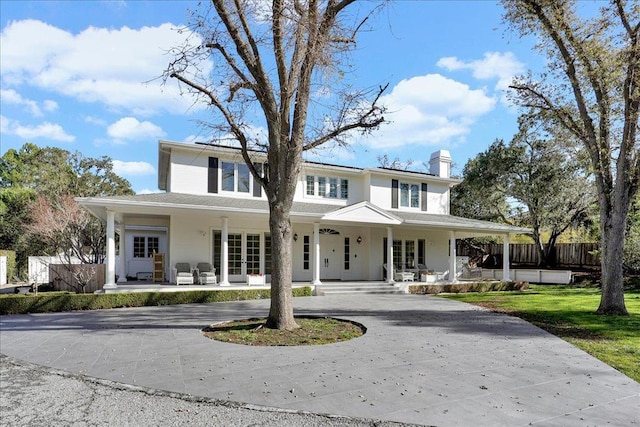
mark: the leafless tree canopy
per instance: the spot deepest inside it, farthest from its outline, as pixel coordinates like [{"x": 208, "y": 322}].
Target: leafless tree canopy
[{"x": 280, "y": 66}]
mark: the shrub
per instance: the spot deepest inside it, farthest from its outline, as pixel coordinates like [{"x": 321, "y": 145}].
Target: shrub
[
  {"x": 468, "y": 287},
  {"x": 63, "y": 301}
]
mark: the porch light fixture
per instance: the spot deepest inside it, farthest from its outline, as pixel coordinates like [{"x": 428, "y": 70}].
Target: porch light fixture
[
  {"x": 359, "y": 239},
  {"x": 295, "y": 237}
]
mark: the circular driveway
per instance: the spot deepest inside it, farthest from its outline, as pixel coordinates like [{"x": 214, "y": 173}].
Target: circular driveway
[{"x": 423, "y": 360}]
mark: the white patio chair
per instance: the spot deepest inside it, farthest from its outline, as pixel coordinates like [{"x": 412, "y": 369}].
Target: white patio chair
[
  {"x": 183, "y": 273},
  {"x": 206, "y": 274}
]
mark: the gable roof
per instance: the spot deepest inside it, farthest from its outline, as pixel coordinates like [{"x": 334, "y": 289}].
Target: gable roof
[{"x": 363, "y": 212}]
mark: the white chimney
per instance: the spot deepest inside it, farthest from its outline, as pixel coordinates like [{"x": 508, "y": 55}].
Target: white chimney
[{"x": 440, "y": 164}]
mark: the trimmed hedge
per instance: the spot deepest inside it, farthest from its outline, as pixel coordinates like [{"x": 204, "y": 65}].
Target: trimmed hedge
[
  {"x": 58, "y": 302},
  {"x": 458, "y": 288},
  {"x": 11, "y": 264}
]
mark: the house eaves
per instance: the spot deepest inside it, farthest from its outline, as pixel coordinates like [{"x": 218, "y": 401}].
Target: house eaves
[
  {"x": 362, "y": 212},
  {"x": 396, "y": 173},
  {"x": 458, "y": 223}
]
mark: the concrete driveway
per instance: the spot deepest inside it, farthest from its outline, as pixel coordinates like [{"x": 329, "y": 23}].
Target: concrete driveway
[{"x": 423, "y": 360}]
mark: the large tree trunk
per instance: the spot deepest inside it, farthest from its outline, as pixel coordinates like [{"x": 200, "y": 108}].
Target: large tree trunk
[
  {"x": 281, "y": 311},
  {"x": 612, "y": 230}
]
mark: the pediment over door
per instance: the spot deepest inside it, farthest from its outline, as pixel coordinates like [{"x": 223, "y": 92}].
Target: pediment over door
[{"x": 363, "y": 212}]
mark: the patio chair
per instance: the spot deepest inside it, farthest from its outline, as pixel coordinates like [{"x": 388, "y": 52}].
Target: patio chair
[
  {"x": 206, "y": 274},
  {"x": 183, "y": 273}
]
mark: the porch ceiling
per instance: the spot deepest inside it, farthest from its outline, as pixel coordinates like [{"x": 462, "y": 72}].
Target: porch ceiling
[{"x": 365, "y": 213}]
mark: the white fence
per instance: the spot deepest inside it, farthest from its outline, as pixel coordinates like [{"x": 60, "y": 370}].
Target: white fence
[
  {"x": 3, "y": 270},
  {"x": 39, "y": 267},
  {"x": 531, "y": 276}
]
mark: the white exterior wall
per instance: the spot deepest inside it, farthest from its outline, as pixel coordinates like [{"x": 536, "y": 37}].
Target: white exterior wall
[
  {"x": 189, "y": 172},
  {"x": 437, "y": 198},
  {"x": 356, "y": 186},
  {"x": 358, "y": 259},
  {"x": 380, "y": 189},
  {"x": 437, "y": 193},
  {"x": 190, "y": 235},
  {"x": 436, "y": 248},
  {"x": 142, "y": 265}
]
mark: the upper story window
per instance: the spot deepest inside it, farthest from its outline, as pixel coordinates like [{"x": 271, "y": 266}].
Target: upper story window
[
  {"x": 322, "y": 186},
  {"x": 409, "y": 195},
  {"x": 331, "y": 187},
  {"x": 235, "y": 177},
  {"x": 310, "y": 185}
]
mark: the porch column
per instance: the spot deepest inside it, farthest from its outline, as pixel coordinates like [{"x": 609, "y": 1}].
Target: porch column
[
  {"x": 110, "y": 260},
  {"x": 316, "y": 254},
  {"x": 224, "y": 258},
  {"x": 452, "y": 257},
  {"x": 123, "y": 259},
  {"x": 390, "y": 271},
  {"x": 505, "y": 258}
]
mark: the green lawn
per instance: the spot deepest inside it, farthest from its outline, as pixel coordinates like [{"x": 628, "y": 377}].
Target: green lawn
[{"x": 569, "y": 313}]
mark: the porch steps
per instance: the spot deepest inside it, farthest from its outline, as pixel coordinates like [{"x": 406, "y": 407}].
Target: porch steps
[{"x": 343, "y": 288}]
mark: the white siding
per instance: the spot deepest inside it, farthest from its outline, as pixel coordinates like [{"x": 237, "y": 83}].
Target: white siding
[
  {"x": 189, "y": 172},
  {"x": 381, "y": 191},
  {"x": 438, "y": 198}
]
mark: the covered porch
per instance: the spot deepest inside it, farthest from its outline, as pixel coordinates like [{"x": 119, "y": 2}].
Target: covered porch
[{"x": 359, "y": 243}]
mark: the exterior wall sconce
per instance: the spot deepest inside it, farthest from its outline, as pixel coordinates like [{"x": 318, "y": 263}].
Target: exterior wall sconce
[
  {"x": 359, "y": 239},
  {"x": 295, "y": 237}
]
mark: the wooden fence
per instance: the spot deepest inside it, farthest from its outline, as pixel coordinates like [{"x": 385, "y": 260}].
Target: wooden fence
[
  {"x": 65, "y": 277},
  {"x": 567, "y": 255}
]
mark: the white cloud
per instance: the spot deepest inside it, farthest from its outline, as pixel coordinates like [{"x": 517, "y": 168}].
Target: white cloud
[
  {"x": 102, "y": 65},
  {"x": 50, "y": 105},
  {"x": 10, "y": 96},
  {"x": 95, "y": 121},
  {"x": 44, "y": 130},
  {"x": 503, "y": 66},
  {"x": 148, "y": 191},
  {"x": 429, "y": 110},
  {"x": 129, "y": 128},
  {"x": 133, "y": 168}
]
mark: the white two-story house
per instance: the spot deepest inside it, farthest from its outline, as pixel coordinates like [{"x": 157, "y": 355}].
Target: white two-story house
[{"x": 349, "y": 223}]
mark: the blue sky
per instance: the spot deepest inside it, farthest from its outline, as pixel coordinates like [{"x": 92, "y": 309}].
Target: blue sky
[{"x": 76, "y": 75}]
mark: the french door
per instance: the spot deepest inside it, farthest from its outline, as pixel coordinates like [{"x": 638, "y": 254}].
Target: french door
[{"x": 245, "y": 252}]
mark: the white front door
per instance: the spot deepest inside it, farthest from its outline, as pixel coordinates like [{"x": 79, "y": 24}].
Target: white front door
[{"x": 330, "y": 257}]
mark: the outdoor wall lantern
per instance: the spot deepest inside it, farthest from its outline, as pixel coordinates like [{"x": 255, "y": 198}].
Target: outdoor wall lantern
[
  {"x": 295, "y": 237},
  {"x": 359, "y": 239}
]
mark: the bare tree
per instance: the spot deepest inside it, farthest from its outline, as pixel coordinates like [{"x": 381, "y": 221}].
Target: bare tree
[
  {"x": 592, "y": 89},
  {"x": 385, "y": 162},
  {"x": 69, "y": 233},
  {"x": 280, "y": 63}
]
